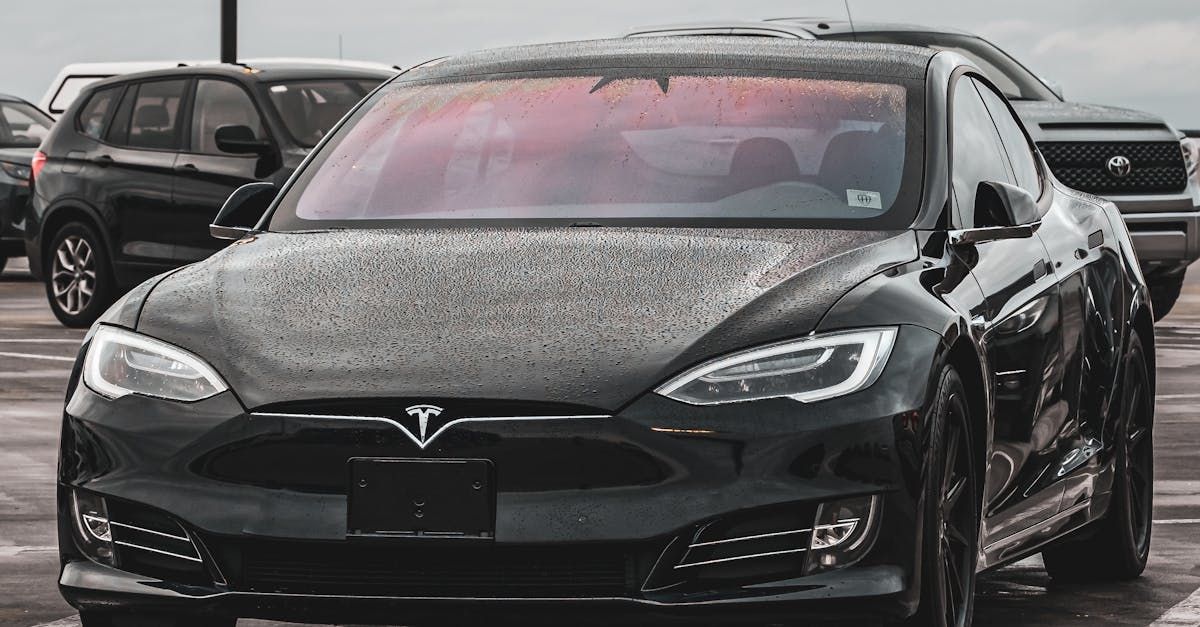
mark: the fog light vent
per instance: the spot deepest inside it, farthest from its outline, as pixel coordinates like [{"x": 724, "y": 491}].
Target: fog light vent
[{"x": 842, "y": 533}]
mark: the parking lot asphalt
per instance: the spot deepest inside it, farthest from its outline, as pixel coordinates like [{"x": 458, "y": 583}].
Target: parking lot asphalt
[{"x": 36, "y": 355}]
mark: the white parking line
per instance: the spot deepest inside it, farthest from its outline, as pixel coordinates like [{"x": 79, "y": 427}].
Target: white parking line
[
  {"x": 32, "y": 356},
  {"x": 1179, "y": 521},
  {"x": 1185, "y": 613},
  {"x": 70, "y": 621},
  {"x": 39, "y": 340}
]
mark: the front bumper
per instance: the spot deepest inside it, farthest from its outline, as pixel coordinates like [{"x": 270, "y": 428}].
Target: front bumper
[
  {"x": 603, "y": 503},
  {"x": 1165, "y": 230}
]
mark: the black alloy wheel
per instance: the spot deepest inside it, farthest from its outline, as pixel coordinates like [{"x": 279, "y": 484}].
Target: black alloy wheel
[
  {"x": 1117, "y": 547},
  {"x": 951, "y": 514}
]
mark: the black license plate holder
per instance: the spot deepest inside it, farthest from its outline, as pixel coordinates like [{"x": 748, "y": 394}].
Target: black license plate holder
[{"x": 427, "y": 498}]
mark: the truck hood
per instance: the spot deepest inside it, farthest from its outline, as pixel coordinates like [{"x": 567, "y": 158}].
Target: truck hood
[
  {"x": 587, "y": 316},
  {"x": 1047, "y": 117}
]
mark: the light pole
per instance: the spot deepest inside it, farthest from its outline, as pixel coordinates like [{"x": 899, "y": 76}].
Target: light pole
[{"x": 228, "y": 31}]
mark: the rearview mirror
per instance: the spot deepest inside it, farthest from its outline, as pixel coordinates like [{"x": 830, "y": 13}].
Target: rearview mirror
[
  {"x": 240, "y": 140},
  {"x": 242, "y": 210}
]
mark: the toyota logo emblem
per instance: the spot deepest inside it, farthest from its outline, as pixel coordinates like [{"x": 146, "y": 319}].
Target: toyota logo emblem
[{"x": 1119, "y": 166}]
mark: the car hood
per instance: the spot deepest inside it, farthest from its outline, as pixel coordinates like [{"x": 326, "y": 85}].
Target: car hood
[
  {"x": 23, "y": 156},
  {"x": 1036, "y": 113},
  {"x": 587, "y": 316}
]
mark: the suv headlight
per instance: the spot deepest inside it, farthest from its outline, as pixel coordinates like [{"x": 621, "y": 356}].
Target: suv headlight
[
  {"x": 1191, "y": 153},
  {"x": 120, "y": 362},
  {"x": 811, "y": 369}
]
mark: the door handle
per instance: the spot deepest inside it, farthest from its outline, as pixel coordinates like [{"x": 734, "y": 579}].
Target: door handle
[
  {"x": 186, "y": 168},
  {"x": 1039, "y": 269},
  {"x": 103, "y": 161}
]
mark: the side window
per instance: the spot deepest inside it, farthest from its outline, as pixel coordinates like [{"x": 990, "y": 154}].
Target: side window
[
  {"x": 118, "y": 129},
  {"x": 93, "y": 115},
  {"x": 1024, "y": 164},
  {"x": 221, "y": 103},
  {"x": 156, "y": 115},
  {"x": 976, "y": 150}
]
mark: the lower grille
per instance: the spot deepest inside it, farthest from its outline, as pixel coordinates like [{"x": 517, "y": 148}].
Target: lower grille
[
  {"x": 153, "y": 544},
  {"x": 1154, "y": 167},
  {"x": 482, "y": 571}
]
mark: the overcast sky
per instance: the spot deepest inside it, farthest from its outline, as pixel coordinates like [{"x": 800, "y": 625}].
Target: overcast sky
[{"x": 1143, "y": 54}]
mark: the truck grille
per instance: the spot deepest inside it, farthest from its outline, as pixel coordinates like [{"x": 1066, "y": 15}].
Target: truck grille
[{"x": 1155, "y": 167}]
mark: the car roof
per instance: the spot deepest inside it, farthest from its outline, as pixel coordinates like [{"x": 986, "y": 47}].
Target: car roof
[
  {"x": 804, "y": 27},
  {"x": 263, "y": 72},
  {"x": 868, "y": 59},
  {"x": 8, "y": 98}
]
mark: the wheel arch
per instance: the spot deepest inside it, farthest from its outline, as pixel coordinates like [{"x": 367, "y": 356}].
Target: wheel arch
[{"x": 62, "y": 214}]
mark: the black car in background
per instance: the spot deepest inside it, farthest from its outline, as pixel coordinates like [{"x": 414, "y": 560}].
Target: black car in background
[
  {"x": 128, "y": 182},
  {"x": 621, "y": 331},
  {"x": 22, "y": 128}
]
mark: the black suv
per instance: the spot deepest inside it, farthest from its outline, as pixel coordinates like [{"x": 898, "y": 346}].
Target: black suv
[
  {"x": 22, "y": 128},
  {"x": 129, "y": 179}
]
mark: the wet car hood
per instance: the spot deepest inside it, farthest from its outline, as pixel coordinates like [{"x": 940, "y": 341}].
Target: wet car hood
[{"x": 588, "y": 316}]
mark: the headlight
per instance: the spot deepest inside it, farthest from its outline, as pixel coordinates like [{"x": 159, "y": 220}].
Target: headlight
[
  {"x": 16, "y": 170},
  {"x": 120, "y": 362},
  {"x": 811, "y": 369},
  {"x": 1191, "y": 153}
]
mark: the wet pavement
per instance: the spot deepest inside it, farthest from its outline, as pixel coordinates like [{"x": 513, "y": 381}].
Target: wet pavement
[{"x": 36, "y": 355}]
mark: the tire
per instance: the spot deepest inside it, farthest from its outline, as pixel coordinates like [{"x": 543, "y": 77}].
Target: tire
[
  {"x": 79, "y": 279},
  {"x": 950, "y": 510},
  {"x": 1163, "y": 294},
  {"x": 110, "y": 619},
  {"x": 1116, "y": 547}
]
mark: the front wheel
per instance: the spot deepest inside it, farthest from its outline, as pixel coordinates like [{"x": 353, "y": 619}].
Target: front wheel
[
  {"x": 951, "y": 518},
  {"x": 1117, "y": 547},
  {"x": 1163, "y": 294}
]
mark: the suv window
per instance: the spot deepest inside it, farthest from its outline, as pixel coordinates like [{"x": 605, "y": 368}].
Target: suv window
[
  {"x": 976, "y": 150},
  {"x": 155, "y": 122},
  {"x": 93, "y": 114},
  {"x": 1016, "y": 144},
  {"x": 310, "y": 108},
  {"x": 221, "y": 103},
  {"x": 22, "y": 125}
]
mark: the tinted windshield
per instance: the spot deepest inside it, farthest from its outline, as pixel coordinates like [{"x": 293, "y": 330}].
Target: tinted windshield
[
  {"x": 1012, "y": 78},
  {"x": 22, "y": 125},
  {"x": 310, "y": 108},
  {"x": 591, "y": 148}
]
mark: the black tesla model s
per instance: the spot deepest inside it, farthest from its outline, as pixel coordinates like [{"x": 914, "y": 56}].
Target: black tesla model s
[{"x": 698, "y": 329}]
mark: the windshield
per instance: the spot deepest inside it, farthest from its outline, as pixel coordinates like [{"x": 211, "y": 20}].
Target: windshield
[
  {"x": 310, "y": 108},
  {"x": 22, "y": 125},
  {"x": 595, "y": 149},
  {"x": 1010, "y": 77}
]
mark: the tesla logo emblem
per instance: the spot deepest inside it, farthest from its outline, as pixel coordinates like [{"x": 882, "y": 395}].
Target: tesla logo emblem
[
  {"x": 1119, "y": 166},
  {"x": 423, "y": 413}
]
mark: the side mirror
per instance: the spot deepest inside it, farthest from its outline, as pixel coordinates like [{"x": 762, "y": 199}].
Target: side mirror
[
  {"x": 1054, "y": 86},
  {"x": 242, "y": 210},
  {"x": 240, "y": 140},
  {"x": 1002, "y": 211},
  {"x": 1004, "y": 204}
]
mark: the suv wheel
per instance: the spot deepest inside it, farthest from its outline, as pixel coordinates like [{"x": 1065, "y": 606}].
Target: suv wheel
[
  {"x": 1163, "y": 294},
  {"x": 79, "y": 280}
]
